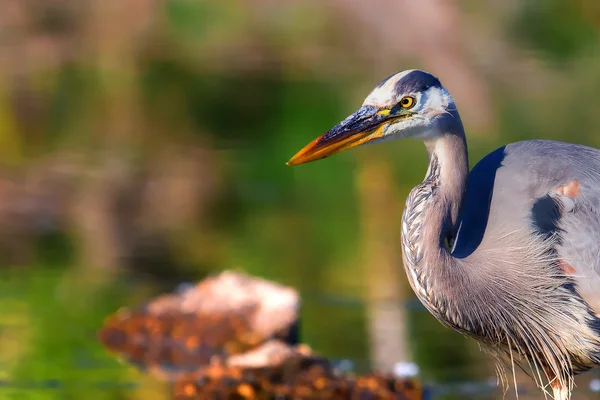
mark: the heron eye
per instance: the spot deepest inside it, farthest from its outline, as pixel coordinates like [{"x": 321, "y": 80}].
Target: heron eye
[{"x": 407, "y": 102}]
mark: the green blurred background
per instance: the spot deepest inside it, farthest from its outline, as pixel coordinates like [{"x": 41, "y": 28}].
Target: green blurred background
[{"x": 143, "y": 144}]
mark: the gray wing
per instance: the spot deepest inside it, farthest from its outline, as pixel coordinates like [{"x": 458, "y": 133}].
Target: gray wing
[{"x": 554, "y": 187}]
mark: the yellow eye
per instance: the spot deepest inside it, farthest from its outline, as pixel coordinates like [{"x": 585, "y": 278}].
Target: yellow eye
[{"x": 407, "y": 102}]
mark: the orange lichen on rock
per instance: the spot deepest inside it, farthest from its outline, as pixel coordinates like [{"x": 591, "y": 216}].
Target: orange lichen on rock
[
  {"x": 301, "y": 380},
  {"x": 235, "y": 337},
  {"x": 227, "y": 317}
]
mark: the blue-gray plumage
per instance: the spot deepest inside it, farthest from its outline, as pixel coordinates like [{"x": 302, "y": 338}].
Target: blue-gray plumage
[
  {"x": 508, "y": 253},
  {"x": 477, "y": 201}
]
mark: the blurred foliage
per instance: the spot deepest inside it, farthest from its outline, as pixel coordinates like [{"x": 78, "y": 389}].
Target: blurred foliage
[
  {"x": 556, "y": 29},
  {"x": 144, "y": 144}
]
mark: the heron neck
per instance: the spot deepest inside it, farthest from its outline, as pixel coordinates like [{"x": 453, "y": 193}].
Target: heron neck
[
  {"x": 449, "y": 165},
  {"x": 431, "y": 214}
]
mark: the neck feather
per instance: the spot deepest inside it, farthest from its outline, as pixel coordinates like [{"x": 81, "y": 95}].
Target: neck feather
[{"x": 430, "y": 217}]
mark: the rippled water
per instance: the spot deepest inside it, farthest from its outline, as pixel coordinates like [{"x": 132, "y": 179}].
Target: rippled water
[{"x": 48, "y": 347}]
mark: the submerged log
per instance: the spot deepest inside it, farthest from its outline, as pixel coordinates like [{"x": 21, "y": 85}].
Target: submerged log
[{"x": 233, "y": 336}]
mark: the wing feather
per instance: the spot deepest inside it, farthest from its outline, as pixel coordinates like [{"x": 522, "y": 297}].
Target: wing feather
[{"x": 558, "y": 185}]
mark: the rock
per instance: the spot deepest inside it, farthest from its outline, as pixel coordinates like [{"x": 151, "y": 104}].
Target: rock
[
  {"x": 299, "y": 379},
  {"x": 228, "y": 315},
  {"x": 233, "y": 336}
]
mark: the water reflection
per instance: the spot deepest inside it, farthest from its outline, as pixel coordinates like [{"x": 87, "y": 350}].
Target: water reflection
[{"x": 59, "y": 356}]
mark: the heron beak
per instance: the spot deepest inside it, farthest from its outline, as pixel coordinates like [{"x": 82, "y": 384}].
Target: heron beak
[{"x": 366, "y": 124}]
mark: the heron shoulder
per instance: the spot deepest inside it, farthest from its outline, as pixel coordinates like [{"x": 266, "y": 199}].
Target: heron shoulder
[
  {"x": 537, "y": 189},
  {"x": 509, "y": 186}
]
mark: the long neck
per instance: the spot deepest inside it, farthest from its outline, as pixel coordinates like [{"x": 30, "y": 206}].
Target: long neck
[{"x": 431, "y": 214}]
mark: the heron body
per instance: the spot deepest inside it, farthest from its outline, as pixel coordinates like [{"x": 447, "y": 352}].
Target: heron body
[{"x": 508, "y": 253}]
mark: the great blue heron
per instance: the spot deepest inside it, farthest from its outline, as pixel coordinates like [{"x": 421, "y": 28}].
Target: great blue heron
[{"x": 509, "y": 253}]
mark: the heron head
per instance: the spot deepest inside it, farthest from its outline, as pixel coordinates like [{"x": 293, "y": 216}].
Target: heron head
[{"x": 410, "y": 103}]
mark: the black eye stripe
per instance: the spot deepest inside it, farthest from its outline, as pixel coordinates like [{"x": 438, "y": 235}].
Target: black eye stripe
[{"x": 416, "y": 81}]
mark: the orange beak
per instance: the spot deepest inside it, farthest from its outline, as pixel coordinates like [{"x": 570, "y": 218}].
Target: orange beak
[{"x": 364, "y": 125}]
